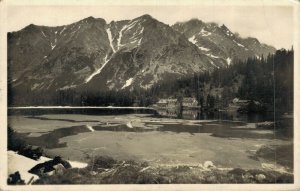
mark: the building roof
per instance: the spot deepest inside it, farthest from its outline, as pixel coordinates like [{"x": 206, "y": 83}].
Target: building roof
[
  {"x": 167, "y": 100},
  {"x": 162, "y": 101},
  {"x": 189, "y": 99},
  {"x": 237, "y": 100}
]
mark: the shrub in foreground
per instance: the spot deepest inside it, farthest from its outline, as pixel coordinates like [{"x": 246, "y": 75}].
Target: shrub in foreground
[{"x": 105, "y": 170}]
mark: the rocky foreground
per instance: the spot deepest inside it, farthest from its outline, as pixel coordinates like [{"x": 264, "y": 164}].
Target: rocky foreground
[
  {"x": 105, "y": 170},
  {"x": 24, "y": 170}
]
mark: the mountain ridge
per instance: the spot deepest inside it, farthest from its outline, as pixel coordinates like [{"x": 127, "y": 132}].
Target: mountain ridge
[{"x": 128, "y": 54}]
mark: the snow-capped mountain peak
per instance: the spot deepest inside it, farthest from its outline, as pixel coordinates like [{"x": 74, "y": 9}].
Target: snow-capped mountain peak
[{"x": 127, "y": 54}]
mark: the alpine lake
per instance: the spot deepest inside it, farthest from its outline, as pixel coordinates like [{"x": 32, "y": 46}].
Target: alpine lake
[{"x": 160, "y": 137}]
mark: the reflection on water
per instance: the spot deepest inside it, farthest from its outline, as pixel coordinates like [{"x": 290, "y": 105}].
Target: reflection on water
[
  {"x": 84, "y": 111},
  {"x": 225, "y": 124},
  {"x": 51, "y": 139},
  {"x": 169, "y": 112},
  {"x": 226, "y": 129},
  {"x": 189, "y": 114},
  {"x": 193, "y": 114}
]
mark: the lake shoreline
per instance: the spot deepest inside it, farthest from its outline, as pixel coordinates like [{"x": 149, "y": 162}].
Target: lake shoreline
[
  {"x": 77, "y": 107},
  {"x": 107, "y": 170},
  {"x": 161, "y": 142}
]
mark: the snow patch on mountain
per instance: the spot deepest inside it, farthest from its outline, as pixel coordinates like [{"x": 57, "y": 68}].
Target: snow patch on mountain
[
  {"x": 68, "y": 87},
  {"x": 137, "y": 33},
  {"x": 204, "y": 32},
  {"x": 238, "y": 44},
  {"x": 133, "y": 41},
  {"x": 212, "y": 63},
  {"x": 193, "y": 39},
  {"x": 229, "y": 33},
  {"x": 124, "y": 29},
  {"x": 211, "y": 55},
  {"x": 148, "y": 86},
  {"x": 43, "y": 33},
  {"x": 74, "y": 31},
  {"x": 97, "y": 71},
  {"x": 140, "y": 41},
  {"x": 62, "y": 30},
  {"x": 203, "y": 48},
  {"x": 128, "y": 83},
  {"x": 120, "y": 36},
  {"x": 141, "y": 31},
  {"x": 131, "y": 25},
  {"x": 228, "y": 60},
  {"x": 52, "y": 46},
  {"x": 110, "y": 39}
]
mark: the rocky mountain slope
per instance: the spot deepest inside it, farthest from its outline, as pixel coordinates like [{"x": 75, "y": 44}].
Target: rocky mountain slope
[
  {"x": 130, "y": 54},
  {"x": 220, "y": 43}
]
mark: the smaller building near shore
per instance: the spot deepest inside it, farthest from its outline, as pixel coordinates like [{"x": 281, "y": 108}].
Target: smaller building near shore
[
  {"x": 245, "y": 106},
  {"x": 162, "y": 103},
  {"x": 238, "y": 101},
  {"x": 189, "y": 102},
  {"x": 173, "y": 103},
  {"x": 186, "y": 102},
  {"x": 167, "y": 103}
]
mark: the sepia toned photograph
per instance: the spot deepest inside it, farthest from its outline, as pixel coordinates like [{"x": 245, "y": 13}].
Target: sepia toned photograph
[{"x": 101, "y": 94}]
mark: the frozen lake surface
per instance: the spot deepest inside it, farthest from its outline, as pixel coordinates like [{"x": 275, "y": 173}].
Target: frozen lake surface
[{"x": 147, "y": 137}]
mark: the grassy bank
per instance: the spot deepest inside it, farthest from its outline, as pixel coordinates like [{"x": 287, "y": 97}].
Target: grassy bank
[{"x": 106, "y": 170}]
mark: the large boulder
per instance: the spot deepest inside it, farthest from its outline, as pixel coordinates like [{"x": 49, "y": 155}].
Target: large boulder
[
  {"x": 260, "y": 178},
  {"x": 209, "y": 164},
  {"x": 15, "y": 178},
  {"x": 50, "y": 167}
]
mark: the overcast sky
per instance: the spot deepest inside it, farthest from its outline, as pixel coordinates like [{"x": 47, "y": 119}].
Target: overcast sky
[{"x": 270, "y": 24}]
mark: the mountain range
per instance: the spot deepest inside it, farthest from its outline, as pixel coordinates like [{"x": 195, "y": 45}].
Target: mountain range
[{"x": 93, "y": 55}]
